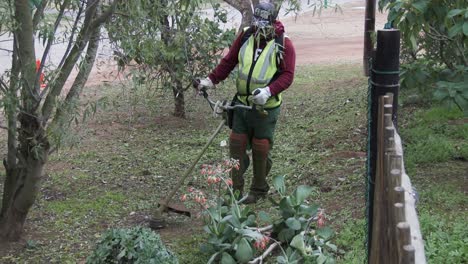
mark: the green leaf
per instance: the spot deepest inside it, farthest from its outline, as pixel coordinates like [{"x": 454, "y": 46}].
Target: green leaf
[
  {"x": 278, "y": 183},
  {"x": 321, "y": 259},
  {"x": 420, "y": 6},
  {"x": 281, "y": 260},
  {"x": 333, "y": 247},
  {"x": 250, "y": 233},
  {"x": 286, "y": 234},
  {"x": 453, "y": 31},
  {"x": 213, "y": 257},
  {"x": 325, "y": 233},
  {"x": 244, "y": 251},
  {"x": 301, "y": 193},
  {"x": 227, "y": 259},
  {"x": 414, "y": 44},
  {"x": 309, "y": 210},
  {"x": 286, "y": 208},
  {"x": 298, "y": 243},
  {"x": 293, "y": 223},
  {"x": 264, "y": 217},
  {"x": 465, "y": 28},
  {"x": 454, "y": 12}
]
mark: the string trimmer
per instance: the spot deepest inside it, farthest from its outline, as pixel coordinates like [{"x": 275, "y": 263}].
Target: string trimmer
[{"x": 219, "y": 108}]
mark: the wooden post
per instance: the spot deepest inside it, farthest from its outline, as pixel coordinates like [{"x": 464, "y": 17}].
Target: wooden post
[
  {"x": 385, "y": 73},
  {"x": 384, "y": 79},
  {"x": 403, "y": 238},
  {"x": 399, "y": 209},
  {"x": 395, "y": 175},
  {"x": 408, "y": 254},
  {"x": 379, "y": 214},
  {"x": 369, "y": 29}
]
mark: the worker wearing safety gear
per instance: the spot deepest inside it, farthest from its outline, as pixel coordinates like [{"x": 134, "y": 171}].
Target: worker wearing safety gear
[{"x": 265, "y": 59}]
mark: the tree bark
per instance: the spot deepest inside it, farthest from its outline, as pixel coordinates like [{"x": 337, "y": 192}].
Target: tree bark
[
  {"x": 28, "y": 145},
  {"x": 24, "y": 172},
  {"x": 32, "y": 155},
  {"x": 179, "y": 101},
  {"x": 80, "y": 80},
  {"x": 245, "y": 9},
  {"x": 10, "y": 162}
]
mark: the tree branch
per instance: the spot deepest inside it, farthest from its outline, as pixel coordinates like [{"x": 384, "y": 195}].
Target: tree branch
[
  {"x": 26, "y": 53},
  {"x": 49, "y": 43},
  {"x": 105, "y": 15},
  {"x": 78, "y": 47},
  {"x": 72, "y": 35},
  {"x": 265, "y": 254},
  {"x": 80, "y": 79},
  {"x": 38, "y": 14}
]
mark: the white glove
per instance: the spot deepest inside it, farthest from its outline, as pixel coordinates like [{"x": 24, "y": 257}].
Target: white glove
[
  {"x": 205, "y": 83},
  {"x": 262, "y": 96}
]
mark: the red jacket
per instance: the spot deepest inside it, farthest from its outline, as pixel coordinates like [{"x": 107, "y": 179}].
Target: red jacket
[{"x": 284, "y": 80}]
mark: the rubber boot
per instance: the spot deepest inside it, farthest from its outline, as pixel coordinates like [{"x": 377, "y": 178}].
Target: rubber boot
[
  {"x": 261, "y": 167},
  {"x": 237, "y": 149}
]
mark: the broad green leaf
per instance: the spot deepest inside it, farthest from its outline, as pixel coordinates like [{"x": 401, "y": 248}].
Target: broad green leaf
[
  {"x": 454, "y": 12},
  {"x": 281, "y": 260},
  {"x": 298, "y": 243},
  {"x": 453, "y": 31},
  {"x": 420, "y": 5},
  {"x": 326, "y": 233},
  {"x": 213, "y": 257},
  {"x": 462, "y": 103},
  {"x": 293, "y": 223},
  {"x": 286, "y": 208},
  {"x": 465, "y": 28},
  {"x": 333, "y": 247},
  {"x": 227, "y": 259},
  {"x": 278, "y": 183},
  {"x": 309, "y": 210},
  {"x": 414, "y": 44},
  {"x": 301, "y": 193},
  {"x": 441, "y": 93},
  {"x": 264, "y": 217},
  {"x": 250, "y": 233},
  {"x": 321, "y": 259},
  {"x": 244, "y": 251},
  {"x": 286, "y": 234}
]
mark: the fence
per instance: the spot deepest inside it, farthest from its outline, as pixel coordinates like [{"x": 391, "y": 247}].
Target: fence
[{"x": 396, "y": 236}]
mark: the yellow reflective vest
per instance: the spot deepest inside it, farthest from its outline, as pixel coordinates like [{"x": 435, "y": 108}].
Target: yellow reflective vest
[{"x": 257, "y": 74}]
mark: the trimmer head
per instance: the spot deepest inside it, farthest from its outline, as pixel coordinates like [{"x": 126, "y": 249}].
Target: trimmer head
[{"x": 158, "y": 221}]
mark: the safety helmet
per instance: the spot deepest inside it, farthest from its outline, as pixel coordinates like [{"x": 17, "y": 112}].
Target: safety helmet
[{"x": 264, "y": 15}]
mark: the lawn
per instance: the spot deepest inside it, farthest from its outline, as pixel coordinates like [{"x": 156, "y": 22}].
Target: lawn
[{"x": 133, "y": 150}]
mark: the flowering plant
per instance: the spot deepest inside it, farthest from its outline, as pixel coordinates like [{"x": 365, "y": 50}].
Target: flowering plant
[{"x": 238, "y": 234}]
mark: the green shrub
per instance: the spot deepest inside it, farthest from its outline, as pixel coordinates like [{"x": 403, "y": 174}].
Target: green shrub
[{"x": 134, "y": 245}]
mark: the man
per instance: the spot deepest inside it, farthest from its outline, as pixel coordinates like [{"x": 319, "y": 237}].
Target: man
[{"x": 266, "y": 61}]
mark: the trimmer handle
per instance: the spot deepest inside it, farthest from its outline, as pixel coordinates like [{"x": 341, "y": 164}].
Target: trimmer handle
[
  {"x": 259, "y": 108},
  {"x": 196, "y": 83}
]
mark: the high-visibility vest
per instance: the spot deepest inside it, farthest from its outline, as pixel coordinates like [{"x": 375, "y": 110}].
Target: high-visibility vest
[{"x": 257, "y": 74}]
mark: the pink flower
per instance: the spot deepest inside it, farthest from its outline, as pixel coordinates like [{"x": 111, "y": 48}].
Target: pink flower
[
  {"x": 229, "y": 182},
  {"x": 320, "y": 220},
  {"x": 261, "y": 243},
  {"x": 183, "y": 198}
]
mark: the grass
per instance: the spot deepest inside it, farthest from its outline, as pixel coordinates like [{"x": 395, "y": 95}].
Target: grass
[{"x": 130, "y": 155}]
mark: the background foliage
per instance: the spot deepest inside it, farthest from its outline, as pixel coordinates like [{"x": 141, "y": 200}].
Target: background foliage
[
  {"x": 169, "y": 43},
  {"x": 435, "y": 47}
]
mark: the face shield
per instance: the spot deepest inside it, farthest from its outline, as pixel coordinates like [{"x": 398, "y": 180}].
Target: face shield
[{"x": 263, "y": 27}]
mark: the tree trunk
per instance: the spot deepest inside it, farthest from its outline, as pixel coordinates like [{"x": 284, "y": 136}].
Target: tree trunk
[
  {"x": 245, "y": 9},
  {"x": 32, "y": 155},
  {"x": 179, "y": 110}
]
